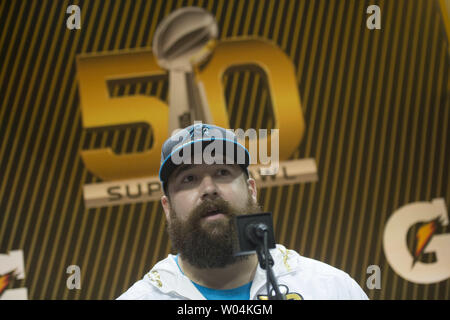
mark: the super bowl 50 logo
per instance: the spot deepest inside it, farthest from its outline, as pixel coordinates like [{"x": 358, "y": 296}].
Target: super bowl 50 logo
[
  {"x": 185, "y": 51},
  {"x": 431, "y": 217}
]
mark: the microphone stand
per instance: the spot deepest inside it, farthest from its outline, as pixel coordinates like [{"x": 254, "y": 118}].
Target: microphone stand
[{"x": 259, "y": 235}]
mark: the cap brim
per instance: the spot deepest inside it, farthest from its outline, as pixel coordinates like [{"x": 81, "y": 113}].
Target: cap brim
[{"x": 168, "y": 166}]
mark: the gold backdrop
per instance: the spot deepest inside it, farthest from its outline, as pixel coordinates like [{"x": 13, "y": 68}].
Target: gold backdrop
[{"x": 376, "y": 106}]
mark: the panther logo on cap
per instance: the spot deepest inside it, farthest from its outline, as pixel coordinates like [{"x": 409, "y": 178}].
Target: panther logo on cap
[{"x": 199, "y": 131}]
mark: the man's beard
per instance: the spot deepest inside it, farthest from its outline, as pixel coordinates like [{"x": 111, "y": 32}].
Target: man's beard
[{"x": 208, "y": 244}]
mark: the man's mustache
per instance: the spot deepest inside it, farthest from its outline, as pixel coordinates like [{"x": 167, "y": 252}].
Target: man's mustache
[{"x": 209, "y": 207}]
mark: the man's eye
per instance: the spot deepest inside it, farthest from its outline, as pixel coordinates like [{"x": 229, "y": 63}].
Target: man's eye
[
  {"x": 188, "y": 179},
  {"x": 223, "y": 172}
]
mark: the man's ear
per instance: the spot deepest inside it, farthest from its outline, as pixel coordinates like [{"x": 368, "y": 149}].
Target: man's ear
[
  {"x": 251, "y": 183},
  {"x": 166, "y": 206}
]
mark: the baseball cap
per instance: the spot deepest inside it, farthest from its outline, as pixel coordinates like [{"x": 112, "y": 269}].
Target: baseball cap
[{"x": 199, "y": 144}]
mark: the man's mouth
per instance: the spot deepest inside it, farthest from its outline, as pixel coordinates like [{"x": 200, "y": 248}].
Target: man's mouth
[{"x": 213, "y": 214}]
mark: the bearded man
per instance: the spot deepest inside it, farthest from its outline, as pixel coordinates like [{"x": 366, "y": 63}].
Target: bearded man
[{"x": 206, "y": 184}]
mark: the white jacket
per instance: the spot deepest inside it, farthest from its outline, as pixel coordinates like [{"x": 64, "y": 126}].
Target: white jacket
[{"x": 298, "y": 277}]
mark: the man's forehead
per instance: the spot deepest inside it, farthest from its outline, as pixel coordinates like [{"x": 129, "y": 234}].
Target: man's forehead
[{"x": 185, "y": 167}]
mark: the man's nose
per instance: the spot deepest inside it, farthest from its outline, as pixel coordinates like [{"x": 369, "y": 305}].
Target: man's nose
[{"x": 209, "y": 188}]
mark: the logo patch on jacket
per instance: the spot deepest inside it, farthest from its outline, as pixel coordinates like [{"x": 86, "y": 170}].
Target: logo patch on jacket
[{"x": 284, "y": 290}]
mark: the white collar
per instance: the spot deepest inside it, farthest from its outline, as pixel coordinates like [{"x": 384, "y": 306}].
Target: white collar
[{"x": 168, "y": 278}]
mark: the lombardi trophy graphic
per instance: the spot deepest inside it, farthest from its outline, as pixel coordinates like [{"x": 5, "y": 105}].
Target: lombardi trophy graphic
[{"x": 182, "y": 41}]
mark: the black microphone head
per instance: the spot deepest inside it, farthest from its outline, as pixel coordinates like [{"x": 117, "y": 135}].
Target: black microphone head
[
  {"x": 260, "y": 228},
  {"x": 250, "y": 231},
  {"x": 255, "y": 232}
]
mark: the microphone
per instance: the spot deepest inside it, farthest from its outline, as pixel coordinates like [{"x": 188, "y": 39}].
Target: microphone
[
  {"x": 250, "y": 231},
  {"x": 255, "y": 233}
]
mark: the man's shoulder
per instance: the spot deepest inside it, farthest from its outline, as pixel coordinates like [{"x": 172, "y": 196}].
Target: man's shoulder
[
  {"x": 140, "y": 290},
  {"x": 324, "y": 280},
  {"x": 148, "y": 288},
  {"x": 292, "y": 260},
  {"x": 321, "y": 268}
]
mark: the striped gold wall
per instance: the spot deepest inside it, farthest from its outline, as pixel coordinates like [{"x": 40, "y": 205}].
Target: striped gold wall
[{"x": 376, "y": 105}]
